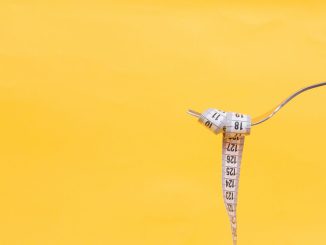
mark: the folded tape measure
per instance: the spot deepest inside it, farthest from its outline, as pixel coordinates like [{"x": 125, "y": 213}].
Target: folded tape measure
[{"x": 235, "y": 126}]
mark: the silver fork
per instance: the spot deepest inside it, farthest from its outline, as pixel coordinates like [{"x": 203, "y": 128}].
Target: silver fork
[{"x": 269, "y": 114}]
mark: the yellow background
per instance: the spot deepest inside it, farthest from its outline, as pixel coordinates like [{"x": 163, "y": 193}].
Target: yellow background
[{"x": 97, "y": 148}]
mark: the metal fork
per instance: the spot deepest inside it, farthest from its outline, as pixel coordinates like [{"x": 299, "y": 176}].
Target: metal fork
[{"x": 269, "y": 114}]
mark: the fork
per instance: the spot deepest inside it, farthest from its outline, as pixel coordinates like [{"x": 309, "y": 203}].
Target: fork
[{"x": 264, "y": 117}]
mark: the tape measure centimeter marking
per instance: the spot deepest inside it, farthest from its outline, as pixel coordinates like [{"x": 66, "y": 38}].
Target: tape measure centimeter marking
[{"x": 234, "y": 127}]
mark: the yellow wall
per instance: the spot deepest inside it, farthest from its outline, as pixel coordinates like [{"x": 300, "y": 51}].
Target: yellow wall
[{"x": 95, "y": 143}]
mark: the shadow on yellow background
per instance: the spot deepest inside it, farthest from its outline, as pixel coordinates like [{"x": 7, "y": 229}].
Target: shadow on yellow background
[{"x": 97, "y": 148}]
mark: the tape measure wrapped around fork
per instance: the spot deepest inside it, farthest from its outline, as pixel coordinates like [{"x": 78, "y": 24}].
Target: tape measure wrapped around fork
[
  {"x": 234, "y": 127},
  {"x": 228, "y": 122}
]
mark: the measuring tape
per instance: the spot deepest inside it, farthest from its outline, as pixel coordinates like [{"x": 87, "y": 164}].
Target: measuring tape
[{"x": 234, "y": 127}]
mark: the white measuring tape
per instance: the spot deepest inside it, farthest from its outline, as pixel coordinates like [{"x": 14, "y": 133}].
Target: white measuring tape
[{"x": 234, "y": 127}]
